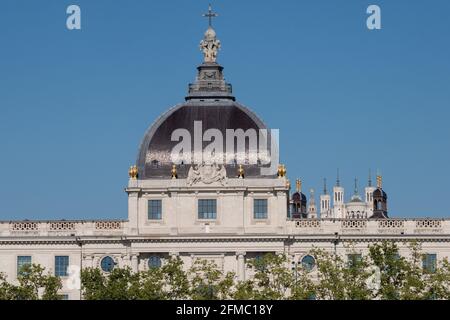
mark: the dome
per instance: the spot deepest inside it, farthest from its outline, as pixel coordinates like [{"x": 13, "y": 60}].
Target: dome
[
  {"x": 298, "y": 197},
  {"x": 356, "y": 199},
  {"x": 379, "y": 193},
  {"x": 209, "y": 105},
  {"x": 154, "y": 158}
]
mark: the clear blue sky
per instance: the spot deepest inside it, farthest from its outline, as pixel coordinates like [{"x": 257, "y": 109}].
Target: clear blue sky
[{"x": 74, "y": 105}]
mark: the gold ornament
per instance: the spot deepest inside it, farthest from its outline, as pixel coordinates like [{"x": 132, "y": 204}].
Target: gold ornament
[
  {"x": 298, "y": 184},
  {"x": 174, "y": 172},
  {"x": 241, "y": 172},
  {"x": 281, "y": 170},
  {"x": 379, "y": 182},
  {"x": 133, "y": 172}
]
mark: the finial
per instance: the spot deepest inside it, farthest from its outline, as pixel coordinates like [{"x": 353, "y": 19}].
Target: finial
[
  {"x": 174, "y": 172},
  {"x": 356, "y": 186},
  {"x": 325, "y": 186},
  {"x": 133, "y": 172},
  {"x": 298, "y": 185},
  {"x": 210, "y": 15},
  {"x": 288, "y": 184},
  {"x": 338, "y": 181},
  {"x": 210, "y": 45},
  {"x": 379, "y": 182},
  {"x": 370, "y": 178},
  {"x": 241, "y": 172}
]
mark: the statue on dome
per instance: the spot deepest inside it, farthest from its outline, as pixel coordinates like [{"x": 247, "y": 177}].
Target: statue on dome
[{"x": 210, "y": 45}]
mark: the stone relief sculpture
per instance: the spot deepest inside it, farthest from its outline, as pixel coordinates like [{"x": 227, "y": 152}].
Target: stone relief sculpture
[{"x": 207, "y": 174}]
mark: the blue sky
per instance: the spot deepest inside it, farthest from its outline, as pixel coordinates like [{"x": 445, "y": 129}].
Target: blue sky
[{"x": 74, "y": 105}]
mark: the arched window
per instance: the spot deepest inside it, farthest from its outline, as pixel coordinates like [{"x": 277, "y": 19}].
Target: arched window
[
  {"x": 379, "y": 205},
  {"x": 308, "y": 262},
  {"x": 107, "y": 264},
  {"x": 154, "y": 262}
]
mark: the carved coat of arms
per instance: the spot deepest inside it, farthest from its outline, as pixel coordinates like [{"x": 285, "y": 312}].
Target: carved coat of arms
[{"x": 207, "y": 174}]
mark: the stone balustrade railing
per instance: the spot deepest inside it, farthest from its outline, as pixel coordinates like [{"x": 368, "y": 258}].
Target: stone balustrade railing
[
  {"x": 62, "y": 228},
  {"x": 319, "y": 227},
  {"x": 369, "y": 227}
]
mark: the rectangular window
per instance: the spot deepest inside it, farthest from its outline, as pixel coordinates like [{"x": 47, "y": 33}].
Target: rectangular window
[
  {"x": 207, "y": 209},
  {"x": 260, "y": 208},
  {"x": 61, "y": 265},
  {"x": 429, "y": 262},
  {"x": 63, "y": 296},
  {"x": 22, "y": 261},
  {"x": 154, "y": 209}
]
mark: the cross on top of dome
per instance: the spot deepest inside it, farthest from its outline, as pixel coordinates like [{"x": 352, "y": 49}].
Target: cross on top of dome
[{"x": 210, "y": 15}]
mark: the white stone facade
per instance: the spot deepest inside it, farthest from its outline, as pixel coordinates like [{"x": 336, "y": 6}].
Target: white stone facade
[{"x": 229, "y": 240}]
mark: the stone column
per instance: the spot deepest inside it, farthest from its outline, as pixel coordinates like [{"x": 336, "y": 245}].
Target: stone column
[
  {"x": 241, "y": 265},
  {"x": 134, "y": 262}
]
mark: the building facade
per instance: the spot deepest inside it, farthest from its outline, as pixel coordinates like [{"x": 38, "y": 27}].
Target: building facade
[{"x": 224, "y": 212}]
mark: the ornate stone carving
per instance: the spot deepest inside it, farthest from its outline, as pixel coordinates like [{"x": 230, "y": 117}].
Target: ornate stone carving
[
  {"x": 210, "y": 46},
  {"x": 207, "y": 174}
]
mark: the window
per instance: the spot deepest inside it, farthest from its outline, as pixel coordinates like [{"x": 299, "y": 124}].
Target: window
[
  {"x": 260, "y": 208},
  {"x": 308, "y": 262},
  {"x": 154, "y": 262},
  {"x": 207, "y": 209},
  {"x": 22, "y": 261},
  {"x": 107, "y": 264},
  {"x": 353, "y": 259},
  {"x": 154, "y": 209},
  {"x": 429, "y": 262},
  {"x": 63, "y": 296},
  {"x": 61, "y": 265}
]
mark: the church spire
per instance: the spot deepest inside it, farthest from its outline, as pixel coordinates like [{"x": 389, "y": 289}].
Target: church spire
[
  {"x": 325, "y": 186},
  {"x": 338, "y": 181},
  {"x": 370, "y": 178}
]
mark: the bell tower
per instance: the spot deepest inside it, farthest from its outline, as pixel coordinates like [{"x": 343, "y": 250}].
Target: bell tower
[
  {"x": 338, "y": 200},
  {"x": 379, "y": 201},
  {"x": 325, "y": 200}
]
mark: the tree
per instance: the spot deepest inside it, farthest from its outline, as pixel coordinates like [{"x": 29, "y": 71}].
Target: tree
[
  {"x": 33, "y": 284},
  {"x": 341, "y": 280},
  {"x": 272, "y": 277},
  {"x": 209, "y": 283}
]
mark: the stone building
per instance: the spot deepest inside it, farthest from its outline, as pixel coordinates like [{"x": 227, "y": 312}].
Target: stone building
[{"x": 226, "y": 213}]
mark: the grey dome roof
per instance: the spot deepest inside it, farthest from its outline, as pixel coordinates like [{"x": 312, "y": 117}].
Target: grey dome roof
[{"x": 154, "y": 159}]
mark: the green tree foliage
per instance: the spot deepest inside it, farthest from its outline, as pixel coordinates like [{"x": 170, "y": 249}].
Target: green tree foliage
[
  {"x": 381, "y": 274},
  {"x": 33, "y": 284}
]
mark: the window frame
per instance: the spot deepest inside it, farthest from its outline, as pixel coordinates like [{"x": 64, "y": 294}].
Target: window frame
[
  {"x": 261, "y": 218},
  {"x": 304, "y": 265},
  {"x": 207, "y": 218},
  {"x": 113, "y": 265},
  {"x": 150, "y": 258},
  {"x": 149, "y": 201},
  {"x": 18, "y": 272},
  {"x": 66, "y": 274},
  {"x": 425, "y": 261}
]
